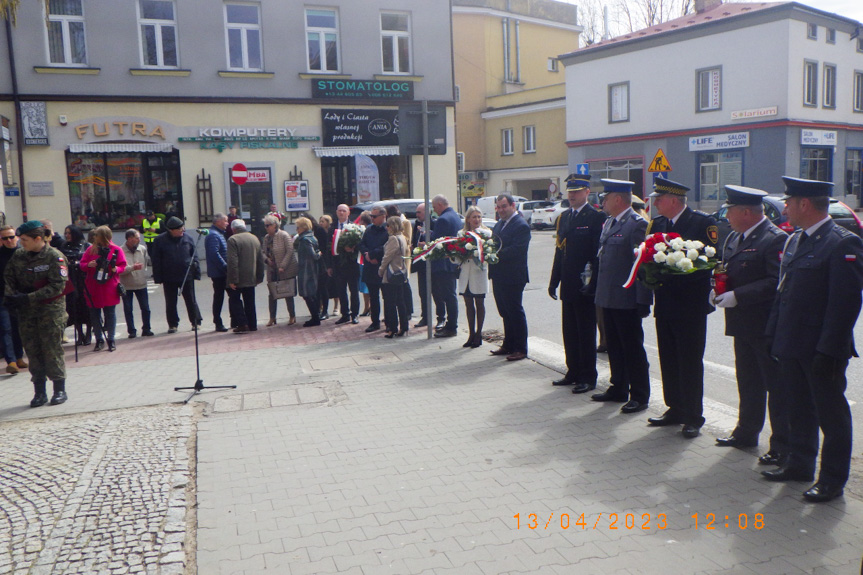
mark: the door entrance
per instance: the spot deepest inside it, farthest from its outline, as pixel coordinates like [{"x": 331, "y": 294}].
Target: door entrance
[{"x": 253, "y": 199}]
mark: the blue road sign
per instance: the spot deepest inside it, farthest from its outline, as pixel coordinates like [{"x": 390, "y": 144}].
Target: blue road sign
[{"x": 582, "y": 169}]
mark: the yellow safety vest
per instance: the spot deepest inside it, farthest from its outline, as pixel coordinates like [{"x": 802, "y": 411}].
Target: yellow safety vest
[{"x": 151, "y": 229}]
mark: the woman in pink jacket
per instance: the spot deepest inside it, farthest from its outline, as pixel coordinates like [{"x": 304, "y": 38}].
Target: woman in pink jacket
[{"x": 102, "y": 264}]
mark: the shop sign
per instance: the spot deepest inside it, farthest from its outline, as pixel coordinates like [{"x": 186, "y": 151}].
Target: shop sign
[
  {"x": 296, "y": 195},
  {"x": 363, "y": 89},
  {"x": 373, "y": 127},
  {"x": 222, "y": 139},
  {"x": 755, "y": 113},
  {"x": 818, "y": 137},
  {"x": 34, "y": 121},
  {"x": 253, "y": 175},
  {"x": 472, "y": 189},
  {"x": 11, "y": 192},
  {"x": 40, "y": 188},
  {"x": 115, "y": 129},
  {"x": 719, "y": 142}
]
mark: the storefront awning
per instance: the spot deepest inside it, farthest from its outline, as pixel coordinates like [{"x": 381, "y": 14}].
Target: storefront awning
[
  {"x": 354, "y": 150},
  {"x": 130, "y": 147}
]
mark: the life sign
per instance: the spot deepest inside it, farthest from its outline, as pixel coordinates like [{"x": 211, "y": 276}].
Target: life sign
[{"x": 659, "y": 163}]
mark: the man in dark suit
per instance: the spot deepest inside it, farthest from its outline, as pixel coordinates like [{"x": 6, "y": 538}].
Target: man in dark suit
[
  {"x": 444, "y": 272},
  {"x": 509, "y": 276},
  {"x": 750, "y": 257},
  {"x": 419, "y": 268},
  {"x": 681, "y": 312},
  {"x": 623, "y": 308},
  {"x": 345, "y": 272},
  {"x": 574, "y": 269},
  {"x": 811, "y": 325},
  {"x": 372, "y": 248}
]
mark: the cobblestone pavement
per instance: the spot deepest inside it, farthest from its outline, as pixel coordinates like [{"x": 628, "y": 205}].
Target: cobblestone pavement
[{"x": 96, "y": 493}]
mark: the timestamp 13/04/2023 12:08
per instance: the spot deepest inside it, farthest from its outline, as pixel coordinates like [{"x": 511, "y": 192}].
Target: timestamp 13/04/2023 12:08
[{"x": 643, "y": 521}]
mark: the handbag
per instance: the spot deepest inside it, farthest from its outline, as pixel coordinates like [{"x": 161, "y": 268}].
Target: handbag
[
  {"x": 121, "y": 290},
  {"x": 396, "y": 277},
  {"x": 282, "y": 288}
]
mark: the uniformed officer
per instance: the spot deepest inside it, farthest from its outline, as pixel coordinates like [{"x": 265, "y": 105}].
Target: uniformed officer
[
  {"x": 35, "y": 282},
  {"x": 811, "y": 324},
  {"x": 681, "y": 308},
  {"x": 152, "y": 228},
  {"x": 574, "y": 265},
  {"x": 750, "y": 256},
  {"x": 622, "y": 308}
]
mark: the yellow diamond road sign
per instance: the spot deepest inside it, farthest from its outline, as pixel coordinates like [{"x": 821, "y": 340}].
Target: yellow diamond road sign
[{"x": 659, "y": 163}]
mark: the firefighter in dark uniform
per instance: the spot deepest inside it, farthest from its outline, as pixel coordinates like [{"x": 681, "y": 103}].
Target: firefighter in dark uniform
[
  {"x": 35, "y": 282},
  {"x": 681, "y": 308},
  {"x": 812, "y": 328},
  {"x": 574, "y": 270},
  {"x": 750, "y": 256}
]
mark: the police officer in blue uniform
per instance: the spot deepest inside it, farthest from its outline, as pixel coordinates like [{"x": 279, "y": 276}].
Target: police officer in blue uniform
[
  {"x": 681, "y": 308},
  {"x": 811, "y": 324}
]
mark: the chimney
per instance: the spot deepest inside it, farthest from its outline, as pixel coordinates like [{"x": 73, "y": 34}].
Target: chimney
[
  {"x": 705, "y": 5},
  {"x": 606, "y": 35}
]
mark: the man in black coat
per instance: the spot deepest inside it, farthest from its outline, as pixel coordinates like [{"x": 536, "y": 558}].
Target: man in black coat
[
  {"x": 444, "y": 272},
  {"x": 681, "y": 308},
  {"x": 812, "y": 328},
  {"x": 419, "y": 268},
  {"x": 372, "y": 248},
  {"x": 173, "y": 251},
  {"x": 575, "y": 263},
  {"x": 750, "y": 257},
  {"x": 509, "y": 276},
  {"x": 345, "y": 271}
]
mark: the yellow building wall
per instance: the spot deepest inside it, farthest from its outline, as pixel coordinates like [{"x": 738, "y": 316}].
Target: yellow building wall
[
  {"x": 551, "y": 148},
  {"x": 471, "y": 71}
]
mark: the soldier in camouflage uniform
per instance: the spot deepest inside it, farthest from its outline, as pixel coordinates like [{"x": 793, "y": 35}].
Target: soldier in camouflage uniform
[{"x": 35, "y": 281}]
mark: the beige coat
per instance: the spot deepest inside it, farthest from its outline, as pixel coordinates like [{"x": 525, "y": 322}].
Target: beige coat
[
  {"x": 131, "y": 278},
  {"x": 279, "y": 254},
  {"x": 245, "y": 260},
  {"x": 395, "y": 251}
]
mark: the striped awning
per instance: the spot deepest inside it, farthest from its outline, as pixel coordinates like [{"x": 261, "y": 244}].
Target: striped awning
[
  {"x": 125, "y": 147},
  {"x": 338, "y": 152}
]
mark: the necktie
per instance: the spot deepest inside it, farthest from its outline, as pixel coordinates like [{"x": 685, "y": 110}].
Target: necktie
[{"x": 803, "y": 237}]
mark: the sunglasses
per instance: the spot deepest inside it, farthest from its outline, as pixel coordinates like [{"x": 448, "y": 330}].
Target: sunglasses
[{"x": 7, "y": 237}]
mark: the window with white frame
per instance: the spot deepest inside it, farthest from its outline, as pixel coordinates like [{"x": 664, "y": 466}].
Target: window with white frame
[
  {"x": 812, "y": 31},
  {"x": 243, "y": 29},
  {"x": 529, "y": 133},
  {"x": 810, "y": 83},
  {"x": 618, "y": 102},
  {"x": 831, "y": 35},
  {"x": 829, "y": 86},
  {"x": 552, "y": 65},
  {"x": 854, "y": 172},
  {"x": 157, "y": 21},
  {"x": 66, "y": 42},
  {"x": 322, "y": 39},
  {"x": 709, "y": 89},
  {"x": 860, "y": 44},
  {"x": 396, "y": 42},
  {"x": 506, "y": 142},
  {"x": 858, "y": 91}
]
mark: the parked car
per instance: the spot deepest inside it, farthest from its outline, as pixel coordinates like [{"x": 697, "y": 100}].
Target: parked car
[
  {"x": 406, "y": 206},
  {"x": 545, "y": 218},
  {"x": 527, "y": 208},
  {"x": 845, "y": 217},
  {"x": 486, "y": 204}
]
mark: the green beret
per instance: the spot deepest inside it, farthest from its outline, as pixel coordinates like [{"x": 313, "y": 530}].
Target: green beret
[{"x": 28, "y": 227}]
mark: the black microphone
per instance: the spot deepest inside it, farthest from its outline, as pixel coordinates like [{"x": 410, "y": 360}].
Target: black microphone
[{"x": 203, "y": 231}]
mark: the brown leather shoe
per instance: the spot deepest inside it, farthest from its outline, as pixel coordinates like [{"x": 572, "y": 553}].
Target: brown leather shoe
[
  {"x": 500, "y": 351},
  {"x": 241, "y": 329},
  {"x": 21, "y": 363},
  {"x": 519, "y": 355},
  {"x": 272, "y": 322}
]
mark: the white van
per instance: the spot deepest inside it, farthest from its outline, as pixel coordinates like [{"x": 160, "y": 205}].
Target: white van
[{"x": 486, "y": 204}]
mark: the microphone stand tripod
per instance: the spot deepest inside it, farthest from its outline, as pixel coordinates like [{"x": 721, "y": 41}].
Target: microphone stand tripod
[{"x": 199, "y": 383}]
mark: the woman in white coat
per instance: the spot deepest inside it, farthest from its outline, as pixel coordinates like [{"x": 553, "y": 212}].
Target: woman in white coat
[{"x": 473, "y": 279}]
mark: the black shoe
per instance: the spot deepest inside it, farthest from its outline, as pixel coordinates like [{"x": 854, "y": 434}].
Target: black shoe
[
  {"x": 366, "y": 313},
  {"x": 772, "y": 458},
  {"x": 39, "y": 400},
  {"x": 608, "y": 396},
  {"x": 390, "y": 334},
  {"x": 100, "y": 345},
  {"x": 446, "y": 333},
  {"x": 312, "y": 323},
  {"x": 147, "y": 333},
  {"x": 421, "y": 323},
  {"x": 786, "y": 473},
  {"x": 477, "y": 341},
  {"x": 324, "y": 316},
  {"x": 402, "y": 333},
  {"x": 690, "y": 431},
  {"x": 343, "y": 319},
  {"x": 85, "y": 342},
  {"x": 663, "y": 420},
  {"x": 58, "y": 398},
  {"x": 373, "y": 327},
  {"x": 562, "y": 381},
  {"x": 583, "y": 387},
  {"x": 822, "y": 492},
  {"x": 469, "y": 341},
  {"x": 633, "y": 406},
  {"x": 133, "y": 335},
  {"x": 111, "y": 345},
  {"x": 221, "y": 328},
  {"x": 354, "y": 320},
  {"x": 732, "y": 441},
  {"x": 440, "y": 325}
]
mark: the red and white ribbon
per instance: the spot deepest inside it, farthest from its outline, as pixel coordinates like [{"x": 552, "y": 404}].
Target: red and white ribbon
[
  {"x": 428, "y": 249},
  {"x": 336, "y": 235},
  {"x": 480, "y": 254},
  {"x": 639, "y": 253}
]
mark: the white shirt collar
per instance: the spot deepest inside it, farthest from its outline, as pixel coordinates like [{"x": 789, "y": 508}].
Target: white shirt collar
[
  {"x": 810, "y": 231},
  {"x": 752, "y": 229},
  {"x": 677, "y": 217},
  {"x": 624, "y": 214}
]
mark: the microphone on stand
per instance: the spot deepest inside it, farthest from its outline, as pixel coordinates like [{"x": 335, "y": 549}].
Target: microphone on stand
[{"x": 203, "y": 231}]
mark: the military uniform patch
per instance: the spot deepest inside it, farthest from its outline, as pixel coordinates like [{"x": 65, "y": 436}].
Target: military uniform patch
[
  {"x": 713, "y": 233},
  {"x": 63, "y": 271}
]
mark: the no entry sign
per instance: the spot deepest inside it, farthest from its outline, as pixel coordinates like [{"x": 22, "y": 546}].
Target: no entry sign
[{"x": 239, "y": 174}]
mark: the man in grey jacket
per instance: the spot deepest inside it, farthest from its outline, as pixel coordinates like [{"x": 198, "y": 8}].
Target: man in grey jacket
[
  {"x": 134, "y": 279},
  {"x": 245, "y": 271}
]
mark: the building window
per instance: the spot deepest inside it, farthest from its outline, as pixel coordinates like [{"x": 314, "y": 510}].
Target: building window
[
  {"x": 858, "y": 91},
  {"x": 618, "y": 103},
  {"x": 243, "y": 28},
  {"x": 816, "y": 164},
  {"x": 322, "y": 40},
  {"x": 717, "y": 170},
  {"x": 709, "y": 89},
  {"x": 810, "y": 83},
  {"x": 628, "y": 169},
  {"x": 812, "y": 31},
  {"x": 396, "y": 43},
  {"x": 158, "y": 27},
  {"x": 506, "y": 142},
  {"x": 854, "y": 172},
  {"x": 831, "y": 35},
  {"x": 66, "y": 41},
  {"x": 829, "y": 86},
  {"x": 529, "y": 133},
  {"x": 459, "y": 161},
  {"x": 860, "y": 44},
  {"x": 552, "y": 65}
]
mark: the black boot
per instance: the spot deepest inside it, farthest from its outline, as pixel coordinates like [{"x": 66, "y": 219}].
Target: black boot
[
  {"x": 59, "y": 392},
  {"x": 40, "y": 398},
  {"x": 111, "y": 345}
]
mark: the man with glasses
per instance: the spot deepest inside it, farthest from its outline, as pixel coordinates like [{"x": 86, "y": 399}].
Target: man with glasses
[
  {"x": 345, "y": 272},
  {"x": 13, "y": 350},
  {"x": 372, "y": 248}
]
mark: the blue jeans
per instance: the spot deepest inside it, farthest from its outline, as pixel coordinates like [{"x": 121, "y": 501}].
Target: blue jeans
[
  {"x": 11, "y": 339},
  {"x": 104, "y": 330},
  {"x": 143, "y": 303}
]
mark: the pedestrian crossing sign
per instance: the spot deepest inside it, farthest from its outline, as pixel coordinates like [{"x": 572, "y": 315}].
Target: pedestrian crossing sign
[{"x": 659, "y": 163}]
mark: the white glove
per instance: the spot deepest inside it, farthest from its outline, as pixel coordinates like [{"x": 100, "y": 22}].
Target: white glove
[{"x": 726, "y": 300}]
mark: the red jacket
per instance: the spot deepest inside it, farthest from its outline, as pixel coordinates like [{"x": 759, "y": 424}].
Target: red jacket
[{"x": 104, "y": 294}]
